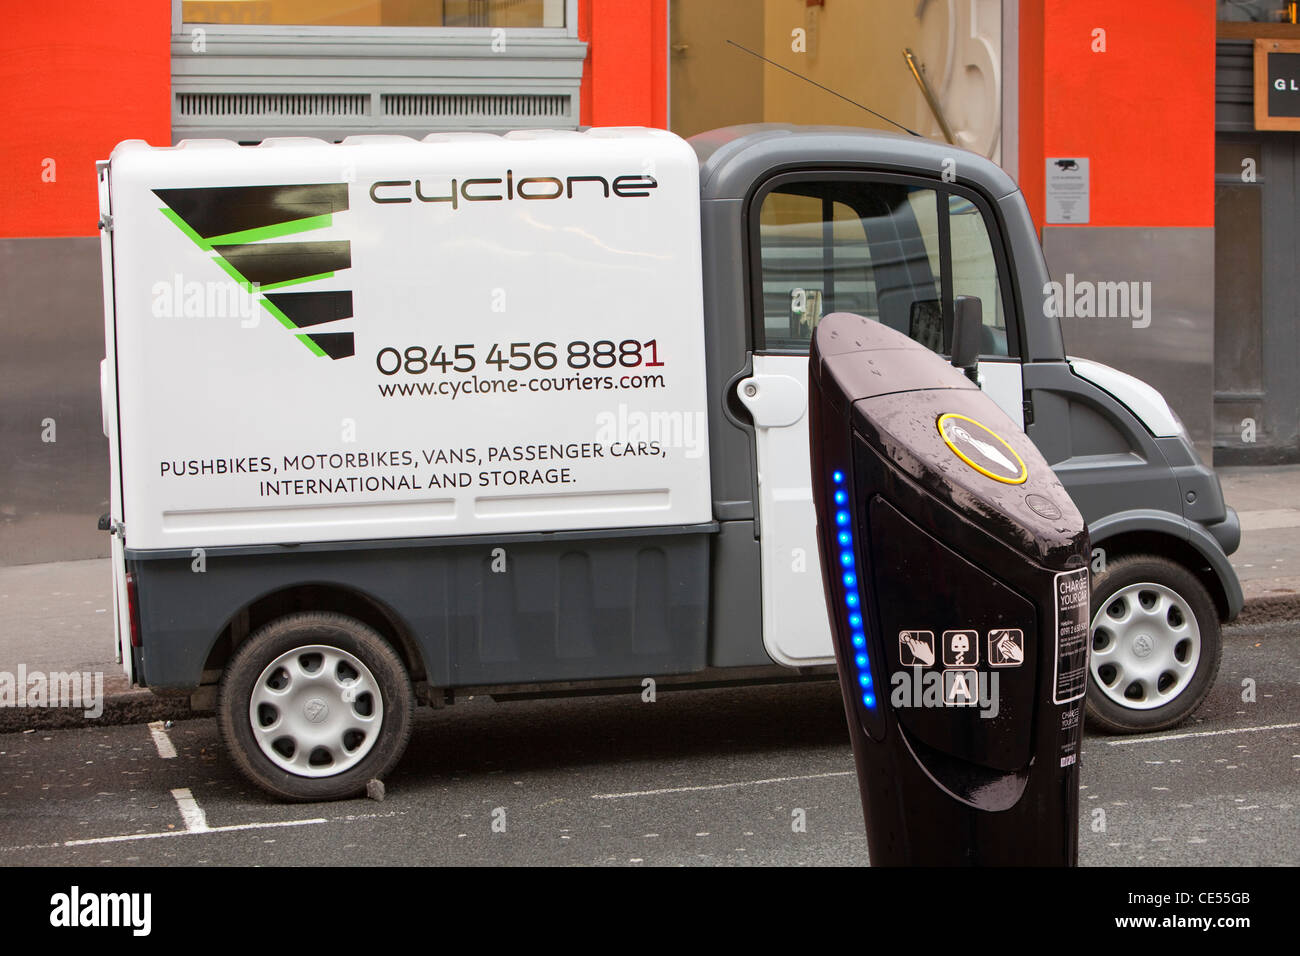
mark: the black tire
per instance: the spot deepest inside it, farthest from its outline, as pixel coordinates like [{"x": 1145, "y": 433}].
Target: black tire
[
  {"x": 1119, "y": 583},
  {"x": 335, "y": 632}
]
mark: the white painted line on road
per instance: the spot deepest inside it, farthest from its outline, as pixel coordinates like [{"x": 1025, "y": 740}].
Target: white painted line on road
[
  {"x": 29, "y": 846},
  {"x": 348, "y": 818},
  {"x": 173, "y": 833},
  {"x": 719, "y": 786},
  {"x": 158, "y": 730},
  {"x": 196, "y": 821},
  {"x": 1200, "y": 733}
]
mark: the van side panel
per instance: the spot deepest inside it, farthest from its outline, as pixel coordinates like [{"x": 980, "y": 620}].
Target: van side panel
[
  {"x": 737, "y": 610},
  {"x": 522, "y": 609}
]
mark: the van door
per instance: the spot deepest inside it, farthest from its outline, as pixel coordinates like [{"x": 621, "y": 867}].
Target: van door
[{"x": 893, "y": 249}]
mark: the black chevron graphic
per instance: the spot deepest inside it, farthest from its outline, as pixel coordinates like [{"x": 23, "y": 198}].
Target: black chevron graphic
[
  {"x": 248, "y": 228},
  {"x": 336, "y": 345},
  {"x": 305, "y": 309},
  {"x": 271, "y": 262},
  {"x": 220, "y": 210}
]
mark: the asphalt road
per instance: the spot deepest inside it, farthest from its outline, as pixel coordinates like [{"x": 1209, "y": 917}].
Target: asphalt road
[{"x": 701, "y": 777}]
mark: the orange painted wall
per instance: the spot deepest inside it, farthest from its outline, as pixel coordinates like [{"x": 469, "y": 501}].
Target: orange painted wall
[
  {"x": 79, "y": 76},
  {"x": 1031, "y": 108},
  {"x": 625, "y": 78},
  {"x": 76, "y": 78},
  {"x": 1142, "y": 112}
]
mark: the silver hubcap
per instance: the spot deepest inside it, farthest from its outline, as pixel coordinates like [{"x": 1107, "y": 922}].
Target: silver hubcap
[
  {"x": 316, "y": 711},
  {"x": 1145, "y": 646}
]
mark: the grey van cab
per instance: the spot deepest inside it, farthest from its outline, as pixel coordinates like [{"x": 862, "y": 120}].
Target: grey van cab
[{"x": 896, "y": 228}]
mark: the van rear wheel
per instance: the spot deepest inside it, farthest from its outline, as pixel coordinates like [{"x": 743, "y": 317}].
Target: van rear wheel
[
  {"x": 1156, "y": 645},
  {"x": 315, "y": 705}
]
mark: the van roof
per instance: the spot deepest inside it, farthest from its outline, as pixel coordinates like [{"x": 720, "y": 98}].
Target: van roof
[
  {"x": 734, "y": 158},
  {"x": 585, "y": 138}
]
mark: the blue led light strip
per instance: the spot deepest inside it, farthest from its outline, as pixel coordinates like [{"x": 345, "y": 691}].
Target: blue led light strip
[{"x": 852, "y": 599}]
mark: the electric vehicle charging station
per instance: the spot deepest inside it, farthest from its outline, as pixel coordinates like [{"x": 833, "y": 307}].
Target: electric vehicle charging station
[{"x": 956, "y": 578}]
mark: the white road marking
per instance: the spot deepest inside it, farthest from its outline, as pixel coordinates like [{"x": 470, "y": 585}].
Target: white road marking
[
  {"x": 1200, "y": 733},
  {"x": 227, "y": 829},
  {"x": 196, "y": 821},
  {"x": 173, "y": 833},
  {"x": 30, "y": 846},
  {"x": 719, "y": 786},
  {"x": 158, "y": 731}
]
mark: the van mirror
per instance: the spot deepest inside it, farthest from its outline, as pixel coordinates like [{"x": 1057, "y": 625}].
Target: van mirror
[{"x": 968, "y": 324}]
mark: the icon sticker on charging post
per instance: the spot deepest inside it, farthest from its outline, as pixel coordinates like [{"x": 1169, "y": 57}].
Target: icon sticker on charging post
[{"x": 982, "y": 448}]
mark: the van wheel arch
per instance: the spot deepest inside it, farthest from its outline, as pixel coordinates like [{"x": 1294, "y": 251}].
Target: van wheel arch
[
  {"x": 316, "y": 596},
  {"x": 1174, "y": 549}
]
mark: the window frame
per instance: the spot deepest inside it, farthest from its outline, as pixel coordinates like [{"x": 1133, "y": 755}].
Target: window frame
[
  {"x": 756, "y": 332},
  {"x": 371, "y": 62},
  {"x": 360, "y": 34}
]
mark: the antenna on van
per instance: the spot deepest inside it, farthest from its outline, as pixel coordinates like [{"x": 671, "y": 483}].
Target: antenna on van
[{"x": 826, "y": 88}]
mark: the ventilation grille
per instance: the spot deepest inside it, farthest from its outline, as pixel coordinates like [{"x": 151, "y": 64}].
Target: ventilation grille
[
  {"x": 503, "y": 105},
  {"x": 259, "y": 105}
]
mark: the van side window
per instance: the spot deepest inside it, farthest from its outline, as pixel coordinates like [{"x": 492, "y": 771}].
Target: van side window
[
  {"x": 815, "y": 261},
  {"x": 893, "y": 252},
  {"x": 975, "y": 272}
]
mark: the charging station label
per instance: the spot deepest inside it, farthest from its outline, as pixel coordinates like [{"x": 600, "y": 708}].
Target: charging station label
[
  {"x": 1071, "y": 678},
  {"x": 978, "y": 446}
]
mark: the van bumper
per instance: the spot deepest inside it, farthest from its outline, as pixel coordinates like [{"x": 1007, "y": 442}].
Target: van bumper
[{"x": 1227, "y": 532}]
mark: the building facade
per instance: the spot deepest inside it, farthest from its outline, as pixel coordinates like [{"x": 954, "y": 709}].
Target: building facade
[{"x": 1131, "y": 127}]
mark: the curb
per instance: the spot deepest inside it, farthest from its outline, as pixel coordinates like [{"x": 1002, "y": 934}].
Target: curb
[
  {"x": 1270, "y": 599},
  {"x": 1265, "y": 610},
  {"x": 122, "y": 707},
  {"x": 126, "y": 705}
]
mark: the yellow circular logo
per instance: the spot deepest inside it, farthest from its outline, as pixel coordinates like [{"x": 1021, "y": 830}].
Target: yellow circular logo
[{"x": 982, "y": 448}]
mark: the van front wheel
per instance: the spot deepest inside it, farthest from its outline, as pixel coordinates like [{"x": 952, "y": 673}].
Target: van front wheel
[
  {"x": 1156, "y": 645},
  {"x": 315, "y": 705}
]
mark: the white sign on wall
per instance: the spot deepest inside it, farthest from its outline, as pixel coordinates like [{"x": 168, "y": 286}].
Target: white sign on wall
[{"x": 1067, "y": 190}]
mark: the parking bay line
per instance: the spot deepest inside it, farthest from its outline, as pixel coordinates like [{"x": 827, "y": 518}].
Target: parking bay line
[
  {"x": 174, "y": 833},
  {"x": 196, "y": 821},
  {"x": 720, "y": 786},
  {"x": 277, "y": 824},
  {"x": 166, "y": 749},
  {"x": 1200, "y": 733},
  {"x": 849, "y": 773}
]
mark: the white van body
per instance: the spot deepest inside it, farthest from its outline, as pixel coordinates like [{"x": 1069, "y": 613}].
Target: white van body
[{"x": 246, "y": 430}]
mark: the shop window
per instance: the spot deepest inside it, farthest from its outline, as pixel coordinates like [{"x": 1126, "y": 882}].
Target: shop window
[{"x": 1257, "y": 11}]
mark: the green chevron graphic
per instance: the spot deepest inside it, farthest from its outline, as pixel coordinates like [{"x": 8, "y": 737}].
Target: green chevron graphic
[{"x": 232, "y": 225}]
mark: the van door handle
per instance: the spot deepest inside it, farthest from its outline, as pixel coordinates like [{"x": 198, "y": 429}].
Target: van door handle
[{"x": 774, "y": 401}]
